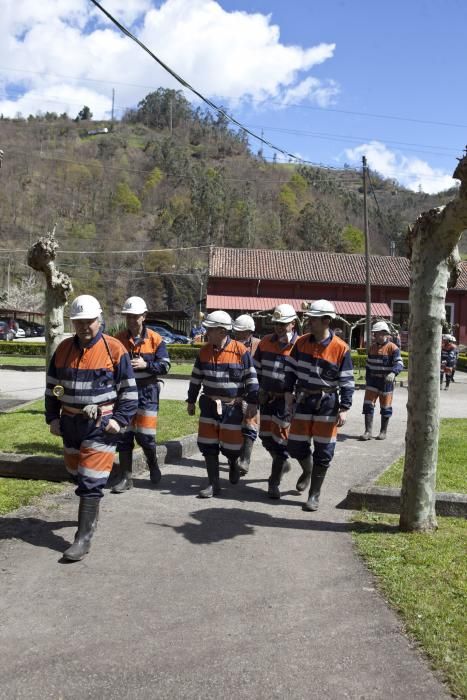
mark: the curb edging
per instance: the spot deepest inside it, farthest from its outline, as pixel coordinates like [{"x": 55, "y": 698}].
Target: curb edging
[{"x": 24, "y": 466}]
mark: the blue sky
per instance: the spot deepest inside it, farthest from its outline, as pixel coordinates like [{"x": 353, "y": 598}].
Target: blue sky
[{"x": 313, "y": 75}]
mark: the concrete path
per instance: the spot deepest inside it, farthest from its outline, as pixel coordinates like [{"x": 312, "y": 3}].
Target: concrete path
[{"x": 233, "y": 597}]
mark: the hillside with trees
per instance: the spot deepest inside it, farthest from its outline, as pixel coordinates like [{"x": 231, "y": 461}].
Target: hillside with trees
[{"x": 170, "y": 176}]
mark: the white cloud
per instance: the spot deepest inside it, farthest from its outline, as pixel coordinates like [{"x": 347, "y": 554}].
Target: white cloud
[
  {"x": 312, "y": 88},
  {"x": 413, "y": 173},
  {"x": 228, "y": 56}
]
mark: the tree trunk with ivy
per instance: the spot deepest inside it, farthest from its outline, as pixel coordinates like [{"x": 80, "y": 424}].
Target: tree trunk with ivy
[
  {"x": 434, "y": 257},
  {"x": 41, "y": 257}
]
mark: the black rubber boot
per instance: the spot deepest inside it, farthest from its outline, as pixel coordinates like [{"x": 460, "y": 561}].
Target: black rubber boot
[
  {"x": 368, "y": 427},
  {"x": 234, "y": 470},
  {"x": 213, "y": 488},
  {"x": 274, "y": 481},
  {"x": 151, "y": 459},
  {"x": 245, "y": 456},
  {"x": 88, "y": 514},
  {"x": 304, "y": 480},
  {"x": 448, "y": 381},
  {"x": 126, "y": 482},
  {"x": 384, "y": 427},
  {"x": 317, "y": 478}
]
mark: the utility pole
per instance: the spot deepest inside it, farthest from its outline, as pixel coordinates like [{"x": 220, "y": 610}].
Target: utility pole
[
  {"x": 367, "y": 258},
  {"x": 170, "y": 115},
  {"x": 113, "y": 105}
]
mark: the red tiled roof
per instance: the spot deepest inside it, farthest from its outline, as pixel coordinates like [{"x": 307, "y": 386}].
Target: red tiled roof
[
  {"x": 307, "y": 266},
  {"x": 237, "y": 303}
]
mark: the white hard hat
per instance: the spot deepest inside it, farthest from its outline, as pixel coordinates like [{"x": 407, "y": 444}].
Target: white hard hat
[
  {"x": 321, "y": 307},
  {"x": 244, "y": 322},
  {"x": 284, "y": 313},
  {"x": 218, "y": 319},
  {"x": 380, "y": 326},
  {"x": 85, "y": 306},
  {"x": 134, "y": 305},
  {"x": 445, "y": 336},
  {"x": 453, "y": 339}
]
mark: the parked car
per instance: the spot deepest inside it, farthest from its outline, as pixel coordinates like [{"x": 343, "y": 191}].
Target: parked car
[
  {"x": 31, "y": 328},
  {"x": 166, "y": 335},
  {"x": 19, "y": 333},
  {"x": 6, "y": 333}
]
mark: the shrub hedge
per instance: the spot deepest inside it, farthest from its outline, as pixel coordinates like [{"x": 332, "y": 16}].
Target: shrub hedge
[{"x": 16, "y": 348}]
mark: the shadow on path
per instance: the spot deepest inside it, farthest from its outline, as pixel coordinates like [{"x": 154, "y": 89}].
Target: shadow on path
[
  {"x": 35, "y": 531},
  {"x": 218, "y": 524}
]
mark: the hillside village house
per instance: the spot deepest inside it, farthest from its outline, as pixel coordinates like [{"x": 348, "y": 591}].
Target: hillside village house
[{"x": 255, "y": 281}]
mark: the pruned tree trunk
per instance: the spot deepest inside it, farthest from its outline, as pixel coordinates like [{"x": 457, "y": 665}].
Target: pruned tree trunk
[
  {"x": 41, "y": 257},
  {"x": 433, "y": 242}
]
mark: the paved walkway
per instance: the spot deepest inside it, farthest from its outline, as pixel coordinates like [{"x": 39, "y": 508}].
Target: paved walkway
[{"x": 235, "y": 597}]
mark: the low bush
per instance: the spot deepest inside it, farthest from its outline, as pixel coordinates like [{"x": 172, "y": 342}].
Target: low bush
[{"x": 17, "y": 348}]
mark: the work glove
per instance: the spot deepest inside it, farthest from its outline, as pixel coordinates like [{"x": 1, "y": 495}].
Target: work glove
[
  {"x": 191, "y": 409},
  {"x": 390, "y": 377},
  {"x": 54, "y": 427},
  {"x": 112, "y": 426},
  {"x": 91, "y": 411}
]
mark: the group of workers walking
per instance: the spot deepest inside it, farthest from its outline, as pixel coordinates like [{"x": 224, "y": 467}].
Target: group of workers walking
[{"x": 291, "y": 391}]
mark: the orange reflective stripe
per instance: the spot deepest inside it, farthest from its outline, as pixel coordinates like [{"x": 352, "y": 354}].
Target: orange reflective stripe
[
  {"x": 209, "y": 431},
  {"x": 229, "y": 436},
  {"x": 142, "y": 421},
  {"x": 300, "y": 427},
  {"x": 324, "y": 430},
  {"x": 91, "y": 458}
]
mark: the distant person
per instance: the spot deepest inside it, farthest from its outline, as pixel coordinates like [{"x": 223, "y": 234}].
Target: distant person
[
  {"x": 339, "y": 333},
  {"x": 243, "y": 330},
  {"x": 224, "y": 370},
  {"x": 448, "y": 360},
  {"x": 197, "y": 334},
  {"x": 275, "y": 416},
  {"x": 150, "y": 360},
  {"x": 89, "y": 399},
  {"x": 382, "y": 367},
  {"x": 456, "y": 356}
]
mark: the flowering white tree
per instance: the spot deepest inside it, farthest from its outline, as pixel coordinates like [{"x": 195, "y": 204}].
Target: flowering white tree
[
  {"x": 434, "y": 256},
  {"x": 27, "y": 294}
]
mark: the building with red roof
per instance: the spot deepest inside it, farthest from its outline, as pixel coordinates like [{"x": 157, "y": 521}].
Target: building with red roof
[{"x": 255, "y": 281}]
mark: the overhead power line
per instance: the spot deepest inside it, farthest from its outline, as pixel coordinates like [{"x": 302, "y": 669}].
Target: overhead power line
[{"x": 187, "y": 85}]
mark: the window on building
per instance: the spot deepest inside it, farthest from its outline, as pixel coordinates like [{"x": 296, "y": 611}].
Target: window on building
[
  {"x": 400, "y": 313},
  {"x": 401, "y": 309}
]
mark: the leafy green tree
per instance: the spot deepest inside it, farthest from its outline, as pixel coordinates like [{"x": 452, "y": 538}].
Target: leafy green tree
[
  {"x": 353, "y": 240},
  {"x": 164, "y": 108},
  {"x": 84, "y": 114},
  {"x": 126, "y": 200}
]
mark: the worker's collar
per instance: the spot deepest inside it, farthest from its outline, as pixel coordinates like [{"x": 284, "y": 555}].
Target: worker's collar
[
  {"x": 279, "y": 339},
  {"x": 143, "y": 334},
  {"x": 91, "y": 342},
  {"x": 226, "y": 341},
  {"x": 324, "y": 342}
]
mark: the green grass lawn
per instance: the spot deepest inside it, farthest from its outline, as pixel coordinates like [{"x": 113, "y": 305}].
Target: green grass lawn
[
  {"x": 424, "y": 576},
  {"x": 452, "y": 451},
  {"x": 22, "y": 361}
]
